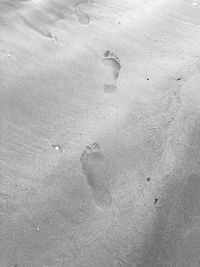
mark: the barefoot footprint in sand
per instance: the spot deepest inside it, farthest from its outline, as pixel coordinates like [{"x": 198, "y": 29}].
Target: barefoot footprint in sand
[
  {"x": 82, "y": 17},
  {"x": 112, "y": 63},
  {"x": 95, "y": 169}
]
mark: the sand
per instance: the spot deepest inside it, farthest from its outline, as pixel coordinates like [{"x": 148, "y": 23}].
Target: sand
[{"x": 99, "y": 133}]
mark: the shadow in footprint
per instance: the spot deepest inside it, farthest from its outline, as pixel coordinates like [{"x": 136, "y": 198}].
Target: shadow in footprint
[
  {"x": 94, "y": 168},
  {"x": 112, "y": 62}
]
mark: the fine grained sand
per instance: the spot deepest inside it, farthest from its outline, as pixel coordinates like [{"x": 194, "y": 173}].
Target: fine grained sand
[{"x": 99, "y": 154}]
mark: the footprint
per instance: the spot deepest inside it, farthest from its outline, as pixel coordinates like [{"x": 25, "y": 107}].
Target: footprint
[
  {"x": 112, "y": 62},
  {"x": 82, "y": 17},
  {"x": 95, "y": 169}
]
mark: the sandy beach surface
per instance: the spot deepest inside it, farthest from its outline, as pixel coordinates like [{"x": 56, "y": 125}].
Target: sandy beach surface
[{"x": 100, "y": 133}]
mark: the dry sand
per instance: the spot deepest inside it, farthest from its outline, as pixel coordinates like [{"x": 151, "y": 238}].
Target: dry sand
[{"x": 134, "y": 197}]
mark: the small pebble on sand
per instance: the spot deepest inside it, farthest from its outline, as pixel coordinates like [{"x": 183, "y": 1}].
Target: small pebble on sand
[
  {"x": 155, "y": 201},
  {"x": 58, "y": 148}
]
